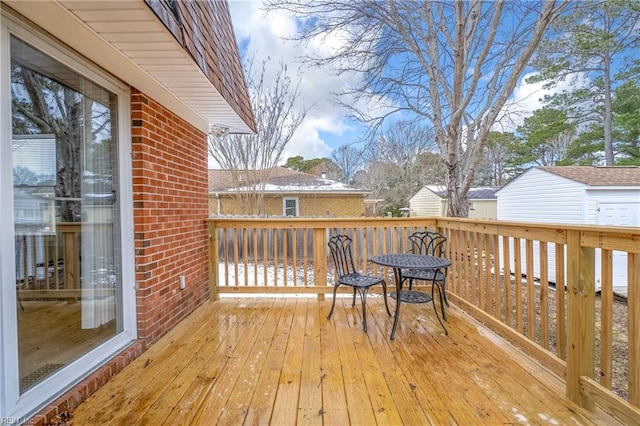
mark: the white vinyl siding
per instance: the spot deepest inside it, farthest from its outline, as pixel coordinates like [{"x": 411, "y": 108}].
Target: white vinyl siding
[
  {"x": 539, "y": 196},
  {"x": 426, "y": 203}
]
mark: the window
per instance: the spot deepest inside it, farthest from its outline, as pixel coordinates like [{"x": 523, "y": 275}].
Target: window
[
  {"x": 62, "y": 151},
  {"x": 290, "y": 206}
]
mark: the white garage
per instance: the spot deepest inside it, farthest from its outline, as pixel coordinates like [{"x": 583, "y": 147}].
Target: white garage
[{"x": 587, "y": 195}]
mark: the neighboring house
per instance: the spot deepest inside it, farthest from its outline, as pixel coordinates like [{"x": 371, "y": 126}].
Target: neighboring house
[
  {"x": 576, "y": 195},
  {"x": 431, "y": 200},
  {"x": 134, "y": 88},
  {"x": 287, "y": 193}
]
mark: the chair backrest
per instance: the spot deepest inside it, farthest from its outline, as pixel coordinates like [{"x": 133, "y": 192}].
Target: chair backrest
[
  {"x": 427, "y": 242},
  {"x": 340, "y": 246}
]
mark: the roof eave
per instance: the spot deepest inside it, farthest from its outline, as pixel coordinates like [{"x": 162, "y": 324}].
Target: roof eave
[{"x": 128, "y": 40}]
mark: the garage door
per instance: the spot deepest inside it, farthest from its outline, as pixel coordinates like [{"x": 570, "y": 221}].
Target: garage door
[{"x": 618, "y": 214}]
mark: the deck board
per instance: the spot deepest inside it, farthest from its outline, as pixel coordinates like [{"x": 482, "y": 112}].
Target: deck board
[
  {"x": 262, "y": 403},
  {"x": 280, "y": 361},
  {"x": 285, "y": 410},
  {"x": 310, "y": 400}
]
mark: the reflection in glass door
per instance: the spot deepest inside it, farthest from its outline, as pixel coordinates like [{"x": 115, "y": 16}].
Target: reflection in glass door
[{"x": 65, "y": 214}]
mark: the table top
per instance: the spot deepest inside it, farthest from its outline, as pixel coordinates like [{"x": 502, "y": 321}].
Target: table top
[{"x": 411, "y": 261}]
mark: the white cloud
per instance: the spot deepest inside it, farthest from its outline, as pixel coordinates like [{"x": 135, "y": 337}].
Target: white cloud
[{"x": 262, "y": 35}]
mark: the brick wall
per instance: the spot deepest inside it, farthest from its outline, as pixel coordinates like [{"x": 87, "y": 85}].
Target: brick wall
[
  {"x": 310, "y": 205},
  {"x": 170, "y": 206}
]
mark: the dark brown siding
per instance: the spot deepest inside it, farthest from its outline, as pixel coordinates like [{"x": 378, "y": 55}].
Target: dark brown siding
[{"x": 205, "y": 30}]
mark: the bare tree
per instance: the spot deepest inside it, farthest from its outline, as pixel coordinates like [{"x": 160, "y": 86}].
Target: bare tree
[
  {"x": 251, "y": 157},
  {"x": 42, "y": 105},
  {"x": 349, "y": 160},
  {"x": 454, "y": 63},
  {"x": 398, "y": 162}
]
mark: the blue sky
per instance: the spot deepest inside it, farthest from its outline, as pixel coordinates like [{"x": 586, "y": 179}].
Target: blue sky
[{"x": 326, "y": 126}]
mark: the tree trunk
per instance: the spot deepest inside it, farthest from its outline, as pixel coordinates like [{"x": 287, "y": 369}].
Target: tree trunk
[
  {"x": 608, "y": 113},
  {"x": 457, "y": 205}
]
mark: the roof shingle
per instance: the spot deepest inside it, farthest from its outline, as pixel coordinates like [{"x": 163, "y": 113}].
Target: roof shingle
[{"x": 598, "y": 176}]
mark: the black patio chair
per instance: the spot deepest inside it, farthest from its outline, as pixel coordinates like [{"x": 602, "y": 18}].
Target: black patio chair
[
  {"x": 433, "y": 244},
  {"x": 340, "y": 246}
]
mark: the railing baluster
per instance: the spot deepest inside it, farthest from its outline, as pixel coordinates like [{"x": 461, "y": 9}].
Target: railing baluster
[
  {"x": 255, "y": 256},
  {"x": 517, "y": 259},
  {"x": 320, "y": 257},
  {"x": 305, "y": 257},
  {"x": 633, "y": 308},
  {"x": 294, "y": 255},
  {"x": 459, "y": 263},
  {"x": 276, "y": 258},
  {"x": 488, "y": 255},
  {"x": 544, "y": 296},
  {"x": 245, "y": 255},
  {"x": 285, "y": 257},
  {"x": 561, "y": 325},
  {"x": 606, "y": 318},
  {"x": 478, "y": 272},
  {"x": 265, "y": 255},
  {"x": 496, "y": 277},
  {"x": 506, "y": 252},
  {"x": 531, "y": 305}
]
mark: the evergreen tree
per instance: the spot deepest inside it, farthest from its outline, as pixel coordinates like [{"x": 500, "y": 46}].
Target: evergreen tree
[{"x": 593, "y": 41}]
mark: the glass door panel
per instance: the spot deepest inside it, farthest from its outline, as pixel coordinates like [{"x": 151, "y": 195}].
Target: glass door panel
[{"x": 65, "y": 214}]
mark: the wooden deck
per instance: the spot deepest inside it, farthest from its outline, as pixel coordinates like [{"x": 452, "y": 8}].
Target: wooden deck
[{"x": 280, "y": 361}]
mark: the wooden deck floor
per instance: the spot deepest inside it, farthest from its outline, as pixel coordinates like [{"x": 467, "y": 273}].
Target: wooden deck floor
[{"x": 280, "y": 361}]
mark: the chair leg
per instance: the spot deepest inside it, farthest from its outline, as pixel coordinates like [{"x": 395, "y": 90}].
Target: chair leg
[
  {"x": 333, "y": 304},
  {"x": 384, "y": 294},
  {"x": 443, "y": 300},
  {"x": 354, "y": 297},
  {"x": 446, "y": 301},
  {"x": 396, "y": 315},
  {"x": 435, "y": 308},
  {"x": 363, "y": 296}
]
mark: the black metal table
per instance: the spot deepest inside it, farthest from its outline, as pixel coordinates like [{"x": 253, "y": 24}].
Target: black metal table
[{"x": 420, "y": 262}]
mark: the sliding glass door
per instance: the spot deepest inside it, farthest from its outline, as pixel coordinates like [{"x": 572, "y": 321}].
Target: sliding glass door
[
  {"x": 65, "y": 213},
  {"x": 64, "y": 307}
]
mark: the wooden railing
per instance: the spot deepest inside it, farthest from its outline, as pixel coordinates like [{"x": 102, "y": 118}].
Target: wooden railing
[
  {"x": 534, "y": 284},
  {"x": 48, "y": 265}
]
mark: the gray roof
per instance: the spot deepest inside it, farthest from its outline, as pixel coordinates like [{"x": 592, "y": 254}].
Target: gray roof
[
  {"x": 598, "y": 175},
  {"x": 477, "y": 193},
  {"x": 486, "y": 193}
]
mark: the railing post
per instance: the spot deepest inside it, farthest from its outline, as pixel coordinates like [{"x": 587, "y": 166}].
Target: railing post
[
  {"x": 320, "y": 259},
  {"x": 581, "y": 317},
  {"x": 71, "y": 258},
  {"x": 213, "y": 261}
]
